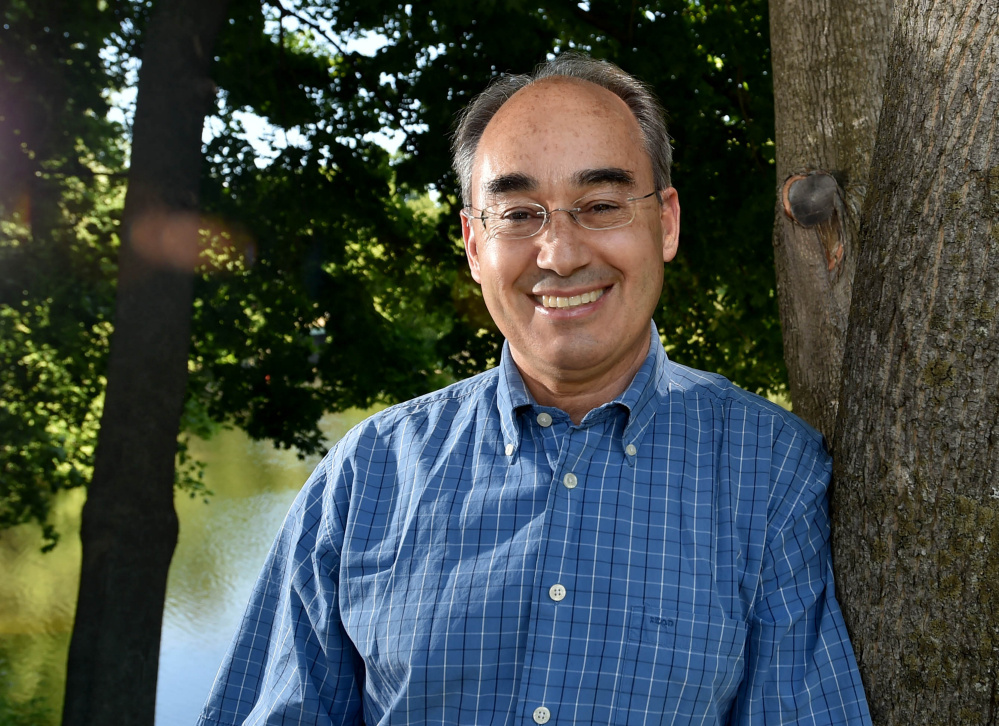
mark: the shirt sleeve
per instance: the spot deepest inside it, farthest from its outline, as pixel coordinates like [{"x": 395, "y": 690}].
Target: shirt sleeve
[
  {"x": 800, "y": 666},
  {"x": 291, "y": 662}
]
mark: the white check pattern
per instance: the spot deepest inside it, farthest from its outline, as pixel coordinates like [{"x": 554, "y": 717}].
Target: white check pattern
[{"x": 441, "y": 567}]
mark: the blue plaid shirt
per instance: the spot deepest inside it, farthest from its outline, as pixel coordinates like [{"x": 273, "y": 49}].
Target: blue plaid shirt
[{"x": 470, "y": 557}]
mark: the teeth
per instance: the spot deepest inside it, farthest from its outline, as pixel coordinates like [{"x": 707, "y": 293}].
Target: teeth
[{"x": 552, "y": 301}]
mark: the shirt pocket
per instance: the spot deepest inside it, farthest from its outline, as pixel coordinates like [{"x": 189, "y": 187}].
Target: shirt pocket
[{"x": 679, "y": 668}]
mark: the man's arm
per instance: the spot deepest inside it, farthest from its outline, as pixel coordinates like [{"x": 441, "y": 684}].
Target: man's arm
[
  {"x": 800, "y": 667},
  {"x": 291, "y": 662}
]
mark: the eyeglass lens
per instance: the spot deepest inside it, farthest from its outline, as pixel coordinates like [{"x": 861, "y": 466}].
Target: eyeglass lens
[{"x": 526, "y": 219}]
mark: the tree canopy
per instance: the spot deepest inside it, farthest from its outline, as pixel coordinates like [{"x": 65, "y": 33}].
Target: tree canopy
[
  {"x": 331, "y": 273},
  {"x": 61, "y": 164}
]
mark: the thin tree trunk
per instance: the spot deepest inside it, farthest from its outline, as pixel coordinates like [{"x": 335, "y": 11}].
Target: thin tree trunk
[
  {"x": 129, "y": 526},
  {"x": 916, "y": 516},
  {"x": 829, "y": 63}
]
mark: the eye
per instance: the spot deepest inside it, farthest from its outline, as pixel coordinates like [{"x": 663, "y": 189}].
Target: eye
[
  {"x": 519, "y": 214},
  {"x": 598, "y": 207}
]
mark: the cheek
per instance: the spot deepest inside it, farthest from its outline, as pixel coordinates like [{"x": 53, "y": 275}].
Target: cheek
[
  {"x": 503, "y": 265},
  {"x": 644, "y": 266}
]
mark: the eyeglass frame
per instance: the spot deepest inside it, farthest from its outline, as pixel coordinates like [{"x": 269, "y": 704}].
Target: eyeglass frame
[{"x": 571, "y": 211}]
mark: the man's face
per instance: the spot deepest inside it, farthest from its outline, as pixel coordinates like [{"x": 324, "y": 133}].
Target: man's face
[{"x": 552, "y": 144}]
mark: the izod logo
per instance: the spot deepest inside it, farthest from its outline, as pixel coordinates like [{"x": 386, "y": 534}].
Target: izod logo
[{"x": 664, "y": 623}]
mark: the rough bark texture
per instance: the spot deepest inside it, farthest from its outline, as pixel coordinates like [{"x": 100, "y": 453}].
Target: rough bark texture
[
  {"x": 829, "y": 62},
  {"x": 129, "y": 526},
  {"x": 916, "y": 509}
]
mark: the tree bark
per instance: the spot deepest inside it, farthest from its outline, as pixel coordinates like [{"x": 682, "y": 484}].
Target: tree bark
[
  {"x": 829, "y": 60},
  {"x": 916, "y": 508},
  {"x": 129, "y": 527}
]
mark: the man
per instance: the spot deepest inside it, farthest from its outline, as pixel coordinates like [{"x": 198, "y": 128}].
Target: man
[{"x": 588, "y": 533}]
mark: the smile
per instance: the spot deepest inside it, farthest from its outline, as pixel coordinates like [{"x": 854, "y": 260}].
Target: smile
[{"x": 553, "y": 301}]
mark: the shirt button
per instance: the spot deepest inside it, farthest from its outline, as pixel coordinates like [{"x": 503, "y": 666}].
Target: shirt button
[
  {"x": 556, "y": 592},
  {"x": 509, "y": 449},
  {"x": 570, "y": 481},
  {"x": 542, "y": 715},
  {"x": 544, "y": 419},
  {"x": 630, "y": 450}
]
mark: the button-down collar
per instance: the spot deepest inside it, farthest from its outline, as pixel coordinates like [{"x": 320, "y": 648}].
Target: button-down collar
[
  {"x": 640, "y": 399},
  {"x": 511, "y": 396}
]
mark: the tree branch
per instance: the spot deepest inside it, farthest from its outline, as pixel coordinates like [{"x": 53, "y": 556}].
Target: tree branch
[{"x": 285, "y": 12}]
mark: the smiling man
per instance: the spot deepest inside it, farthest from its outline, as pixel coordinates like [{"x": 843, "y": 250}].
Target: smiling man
[
  {"x": 589, "y": 533},
  {"x": 574, "y": 304}
]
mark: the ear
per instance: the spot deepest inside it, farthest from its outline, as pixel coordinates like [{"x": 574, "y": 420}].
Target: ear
[
  {"x": 669, "y": 217},
  {"x": 471, "y": 246}
]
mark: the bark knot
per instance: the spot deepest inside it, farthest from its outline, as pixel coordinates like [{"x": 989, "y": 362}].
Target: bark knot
[{"x": 814, "y": 200}]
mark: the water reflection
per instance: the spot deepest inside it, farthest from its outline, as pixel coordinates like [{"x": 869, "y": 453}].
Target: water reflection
[
  {"x": 37, "y": 600},
  {"x": 220, "y": 550}
]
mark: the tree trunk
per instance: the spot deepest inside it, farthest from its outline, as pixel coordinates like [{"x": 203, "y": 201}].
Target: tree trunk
[
  {"x": 129, "y": 525},
  {"x": 829, "y": 59},
  {"x": 916, "y": 515}
]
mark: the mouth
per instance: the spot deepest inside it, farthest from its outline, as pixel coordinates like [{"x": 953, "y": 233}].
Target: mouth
[{"x": 554, "y": 301}]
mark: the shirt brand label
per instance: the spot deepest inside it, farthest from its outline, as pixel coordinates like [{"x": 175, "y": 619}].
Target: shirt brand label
[{"x": 664, "y": 623}]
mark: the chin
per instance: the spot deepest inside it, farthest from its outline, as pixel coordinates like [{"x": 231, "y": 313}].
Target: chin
[{"x": 563, "y": 363}]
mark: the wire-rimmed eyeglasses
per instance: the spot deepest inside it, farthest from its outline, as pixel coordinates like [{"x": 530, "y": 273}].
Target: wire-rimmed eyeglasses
[{"x": 517, "y": 220}]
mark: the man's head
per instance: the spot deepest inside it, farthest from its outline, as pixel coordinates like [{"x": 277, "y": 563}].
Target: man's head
[
  {"x": 635, "y": 94},
  {"x": 568, "y": 222}
]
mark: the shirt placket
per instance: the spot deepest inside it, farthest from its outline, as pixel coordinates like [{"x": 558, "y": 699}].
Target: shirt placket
[{"x": 541, "y": 689}]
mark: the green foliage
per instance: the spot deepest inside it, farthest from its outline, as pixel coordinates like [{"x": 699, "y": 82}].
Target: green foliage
[
  {"x": 60, "y": 192},
  {"x": 327, "y": 307},
  {"x": 332, "y": 274},
  {"x": 49, "y": 418}
]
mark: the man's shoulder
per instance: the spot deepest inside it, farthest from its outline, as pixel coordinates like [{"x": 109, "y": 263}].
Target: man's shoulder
[
  {"x": 474, "y": 390},
  {"x": 717, "y": 391},
  {"x": 469, "y": 397}
]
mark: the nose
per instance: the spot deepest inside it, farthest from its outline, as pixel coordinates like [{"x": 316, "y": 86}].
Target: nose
[{"x": 562, "y": 247}]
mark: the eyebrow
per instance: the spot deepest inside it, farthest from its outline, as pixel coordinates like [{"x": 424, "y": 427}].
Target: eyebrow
[
  {"x": 608, "y": 175},
  {"x": 516, "y": 182},
  {"x": 520, "y": 182}
]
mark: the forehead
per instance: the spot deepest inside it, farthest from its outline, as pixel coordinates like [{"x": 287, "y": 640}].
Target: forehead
[{"x": 557, "y": 129}]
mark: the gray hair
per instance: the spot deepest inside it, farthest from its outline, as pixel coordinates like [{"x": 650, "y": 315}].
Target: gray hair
[{"x": 643, "y": 104}]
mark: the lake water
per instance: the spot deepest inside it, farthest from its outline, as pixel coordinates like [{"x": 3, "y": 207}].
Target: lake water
[{"x": 221, "y": 547}]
